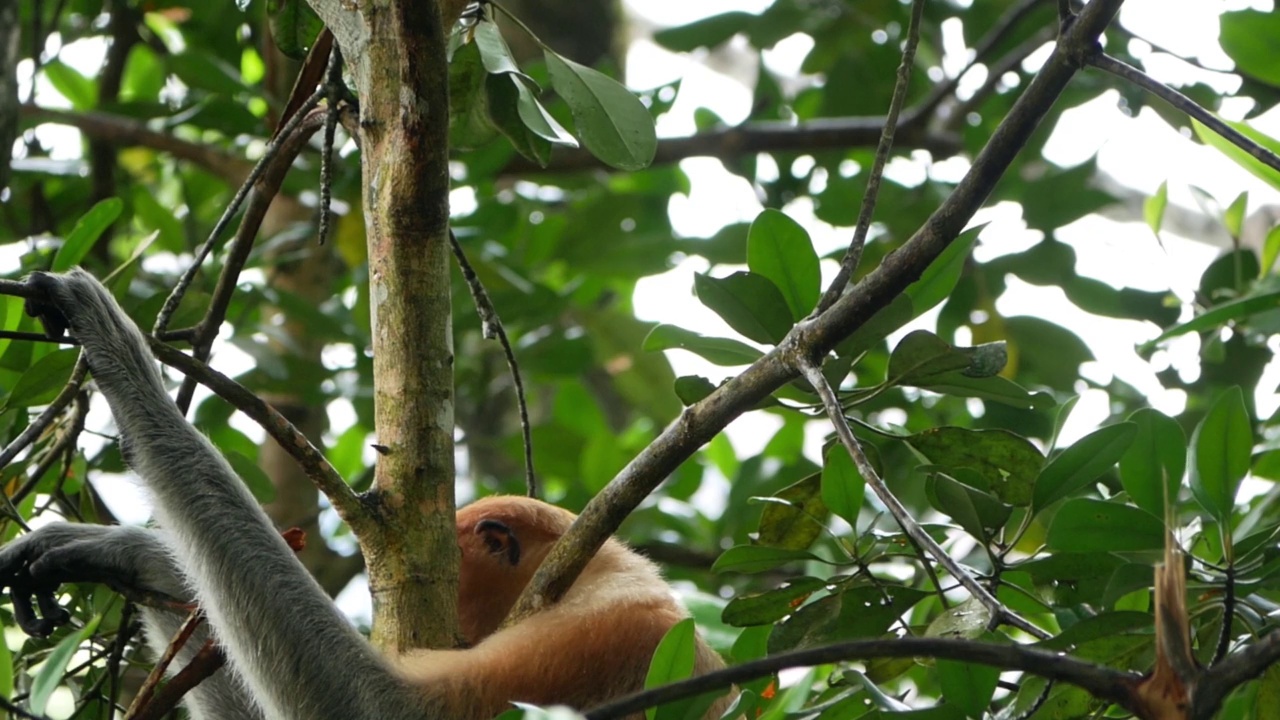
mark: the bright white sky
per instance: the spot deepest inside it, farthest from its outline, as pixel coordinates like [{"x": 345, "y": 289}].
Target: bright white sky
[{"x": 1139, "y": 152}]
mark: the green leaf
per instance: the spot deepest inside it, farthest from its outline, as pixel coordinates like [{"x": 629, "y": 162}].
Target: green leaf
[
  {"x": 968, "y": 620},
  {"x": 1082, "y": 463},
  {"x": 940, "y": 278},
  {"x": 79, "y": 90},
  {"x": 1240, "y": 156},
  {"x": 779, "y": 249},
  {"x": 1233, "y": 218},
  {"x": 968, "y": 686},
  {"x": 793, "y": 518},
  {"x": 856, "y": 612},
  {"x": 922, "y": 358},
  {"x": 294, "y": 26},
  {"x": 1246, "y": 37},
  {"x": 493, "y": 49},
  {"x": 535, "y": 117},
  {"x": 707, "y": 32},
  {"x": 1234, "y": 310},
  {"x": 1151, "y": 469},
  {"x": 1006, "y": 462},
  {"x": 49, "y": 676},
  {"x": 254, "y": 477},
  {"x": 693, "y": 388},
  {"x": 980, "y": 514},
  {"x": 1153, "y": 208},
  {"x": 1221, "y": 448},
  {"x": 721, "y": 351},
  {"x": 757, "y": 558},
  {"x": 1270, "y": 249},
  {"x": 6, "y": 671},
  {"x": 842, "y": 484},
  {"x": 470, "y": 125},
  {"x": 1267, "y": 702},
  {"x": 43, "y": 381},
  {"x": 750, "y": 303},
  {"x": 503, "y": 98},
  {"x": 673, "y": 660},
  {"x": 772, "y": 605},
  {"x": 921, "y": 354},
  {"x": 86, "y": 232},
  {"x": 1087, "y": 525},
  {"x": 935, "y": 284},
  {"x": 612, "y": 122}
]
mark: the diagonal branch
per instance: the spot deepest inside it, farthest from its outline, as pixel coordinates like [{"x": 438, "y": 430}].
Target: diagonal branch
[
  {"x": 999, "y": 613},
  {"x": 702, "y": 421},
  {"x": 1187, "y": 105},
  {"x": 344, "y": 500}
]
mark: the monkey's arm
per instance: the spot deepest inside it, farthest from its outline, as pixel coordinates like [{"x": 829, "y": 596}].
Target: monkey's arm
[
  {"x": 136, "y": 563},
  {"x": 579, "y": 655},
  {"x": 301, "y": 659}
]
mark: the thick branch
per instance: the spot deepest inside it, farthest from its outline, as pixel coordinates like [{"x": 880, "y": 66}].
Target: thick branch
[{"x": 702, "y": 421}]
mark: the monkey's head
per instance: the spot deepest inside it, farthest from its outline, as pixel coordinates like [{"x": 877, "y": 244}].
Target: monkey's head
[{"x": 503, "y": 541}]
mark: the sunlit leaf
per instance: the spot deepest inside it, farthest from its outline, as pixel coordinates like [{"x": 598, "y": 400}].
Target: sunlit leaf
[
  {"x": 1082, "y": 463},
  {"x": 1221, "y": 451},
  {"x": 612, "y": 122}
]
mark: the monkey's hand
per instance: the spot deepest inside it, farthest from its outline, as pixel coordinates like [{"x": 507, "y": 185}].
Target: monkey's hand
[{"x": 133, "y": 561}]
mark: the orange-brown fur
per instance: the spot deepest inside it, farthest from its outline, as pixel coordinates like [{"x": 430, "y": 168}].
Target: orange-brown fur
[{"x": 592, "y": 646}]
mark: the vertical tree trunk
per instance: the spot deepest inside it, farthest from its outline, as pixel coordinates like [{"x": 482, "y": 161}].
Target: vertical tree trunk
[{"x": 404, "y": 105}]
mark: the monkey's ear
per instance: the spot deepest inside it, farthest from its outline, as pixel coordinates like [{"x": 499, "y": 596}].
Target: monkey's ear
[{"x": 500, "y": 540}]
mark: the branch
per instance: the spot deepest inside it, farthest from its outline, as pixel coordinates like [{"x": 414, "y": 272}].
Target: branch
[
  {"x": 46, "y": 418},
  {"x": 344, "y": 500},
  {"x": 1102, "y": 682},
  {"x": 491, "y": 329},
  {"x": 699, "y": 423},
  {"x": 1187, "y": 105},
  {"x": 261, "y": 191},
  {"x": 275, "y": 161},
  {"x": 853, "y": 255},
  {"x": 232, "y": 169},
  {"x": 731, "y": 142},
  {"x": 999, "y": 613},
  {"x": 1234, "y": 670}
]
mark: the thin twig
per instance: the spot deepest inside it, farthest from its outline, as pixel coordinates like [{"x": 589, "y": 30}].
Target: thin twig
[
  {"x": 1102, "y": 682},
  {"x": 65, "y": 442},
  {"x": 1128, "y": 72},
  {"x": 491, "y": 328},
  {"x": 126, "y": 630},
  {"x": 1228, "y": 614},
  {"x": 179, "y": 641},
  {"x": 999, "y": 613},
  {"x": 995, "y": 74},
  {"x": 853, "y": 255},
  {"x": 207, "y": 660},
  {"x": 46, "y": 418},
  {"x": 333, "y": 93},
  {"x": 288, "y": 144},
  {"x": 981, "y": 50},
  {"x": 266, "y": 161}
]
